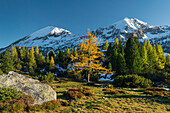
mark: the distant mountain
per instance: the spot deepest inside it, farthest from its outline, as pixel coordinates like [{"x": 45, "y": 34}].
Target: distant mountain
[{"x": 57, "y": 38}]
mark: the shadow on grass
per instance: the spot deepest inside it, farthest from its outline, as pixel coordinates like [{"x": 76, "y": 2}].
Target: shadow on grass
[
  {"x": 61, "y": 97},
  {"x": 161, "y": 100}
]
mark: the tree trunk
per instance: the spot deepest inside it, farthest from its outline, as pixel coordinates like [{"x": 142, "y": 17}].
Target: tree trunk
[{"x": 88, "y": 76}]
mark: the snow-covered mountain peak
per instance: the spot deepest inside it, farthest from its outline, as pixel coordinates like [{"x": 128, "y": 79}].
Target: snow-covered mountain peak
[
  {"x": 49, "y": 30},
  {"x": 131, "y": 23},
  {"x": 55, "y": 38}
]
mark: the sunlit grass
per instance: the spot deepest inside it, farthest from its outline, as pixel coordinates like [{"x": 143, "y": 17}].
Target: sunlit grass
[{"x": 133, "y": 101}]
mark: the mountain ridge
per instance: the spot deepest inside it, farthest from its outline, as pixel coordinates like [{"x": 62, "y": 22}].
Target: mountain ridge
[{"x": 55, "y": 38}]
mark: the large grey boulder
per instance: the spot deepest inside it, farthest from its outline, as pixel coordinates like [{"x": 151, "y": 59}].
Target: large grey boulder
[{"x": 39, "y": 91}]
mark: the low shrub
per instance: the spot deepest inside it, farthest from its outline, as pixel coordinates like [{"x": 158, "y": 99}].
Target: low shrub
[
  {"x": 47, "y": 78},
  {"x": 158, "y": 93},
  {"x": 88, "y": 93},
  {"x": 76, "y": 89},
  {"x": 1, "y": 72},
  {"x": 14, "y": 101},
  {"x": 77, "y": 93},
  {"x": 73, "y": 95},
  {"x": 117, "y": 91},
  {"x": 132, "y": 81},
  {"x": 51, "y": 105},
  {"x": 7, "y": 94},
  {"x": 86, "y": 88},
  {"x": 105, "y": 89}
]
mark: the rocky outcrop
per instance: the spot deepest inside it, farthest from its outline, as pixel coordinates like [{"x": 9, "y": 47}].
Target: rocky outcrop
[{"x": 39, "y": 91}]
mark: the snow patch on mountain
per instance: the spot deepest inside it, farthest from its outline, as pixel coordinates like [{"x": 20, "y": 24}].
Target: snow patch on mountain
[{"x": 52, "y": 37}]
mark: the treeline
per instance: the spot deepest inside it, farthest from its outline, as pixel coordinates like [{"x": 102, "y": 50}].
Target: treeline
[
  {"x": 21, "y": 59},
  {"x": 132, "y": 58},
  {"x": 137, "y": 58}
]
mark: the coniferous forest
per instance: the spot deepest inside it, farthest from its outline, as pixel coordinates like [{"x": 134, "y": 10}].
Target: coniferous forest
[{"x": 120, "y": 58}]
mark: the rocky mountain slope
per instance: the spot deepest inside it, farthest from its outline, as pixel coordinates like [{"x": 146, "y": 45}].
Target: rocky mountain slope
[{"x": 57, "y": 38}]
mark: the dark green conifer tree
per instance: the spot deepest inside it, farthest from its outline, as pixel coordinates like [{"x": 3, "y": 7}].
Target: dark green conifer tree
[
  {"x": 7, "y": 63},
  {"x": 105, "y": 46},
  {"x": 51, "y": 54},
  {"x": 121, "y": 65},
  {"x": 132, "y": 57}
]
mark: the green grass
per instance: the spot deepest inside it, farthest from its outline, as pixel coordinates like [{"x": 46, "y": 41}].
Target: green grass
[{"x": 133, "y": 101}]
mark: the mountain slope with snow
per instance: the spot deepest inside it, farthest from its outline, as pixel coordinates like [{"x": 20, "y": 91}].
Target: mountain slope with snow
[{"x": 57, "y": 38}]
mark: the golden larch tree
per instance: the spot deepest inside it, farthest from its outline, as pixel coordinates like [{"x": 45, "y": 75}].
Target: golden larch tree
[{"x": 88, "y": 58}]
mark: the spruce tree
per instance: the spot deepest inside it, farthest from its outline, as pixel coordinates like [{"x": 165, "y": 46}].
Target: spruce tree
[
  {"x": 113, "y": 58},
  {"x": 75, "y": 52},
  {"x": 132, "y": 57},
  {"x": 51, "y": 54},
  {"x": 14, "y": 54},
  {"x": 36, "y": 50},
  {"x": 42, "y": 60},
  {"x": 110, "y": 66},
  {"x": 7, "y": 63},
  {"x": 145, "y": 59},
  {"x": 167, "y": 64},
  {"x": 52, "y": 63},
  {"x": 105, "y": 46},
  {"x": 109, "y": 50},
  {"x": 121, "y": 65},
  {"x": 67, "y": 53},
  {"x": 32, "y": 61},
  {"x": 22, "y": 53},
  {"x": 116, "y": 43},
  {"x": 161, "y": 57},
  {"x": 157, "y": 62}
]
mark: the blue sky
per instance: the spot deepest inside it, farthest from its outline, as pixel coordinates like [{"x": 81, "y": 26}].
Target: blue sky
[{"x": 19, "y": 18}]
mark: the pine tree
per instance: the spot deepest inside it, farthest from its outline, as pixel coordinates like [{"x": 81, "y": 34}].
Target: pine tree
[
  {"x": 114, "y": 54},
  {"x": 121, "y": 65},
  {"x": 52, "y": 63},
  {"x": 88, "y": 59},
  {"x": 151, "y": 56},
  {"x": 157, "y": 62},
  {"x": 36, "y": 50},
  {"x": 145, "y": 59},
  {"x": 105, "y": 46},
  {"x": 41, "y": 61},
  {"x": 120, "y": 47},
  {"x": 22, "y": 53},
  {"x": 113, "y": 58},
  {"x": 110, "y": 66},
  {"x": 109, "y": 50},
  {"x": 51, "y": 54},
  {"x": 47, "y": 62},
  {"x": 32, "y": 61},
  {"x": 167, "y": 64},
  {"x": 67, "y": 53},
  {"x": 161, "y": 57},
  {"x": 132, "y": 57},
  {"x": 37, "y": 54},
  {"x": 14, "y": 54},
  {"x": 116, "y": 43},
  {"x": 7, "y": 63},
  {"x": 72, "y": 52},
  {"x": 18, "y": 65},
  {"x": 75, "y": 52}
]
